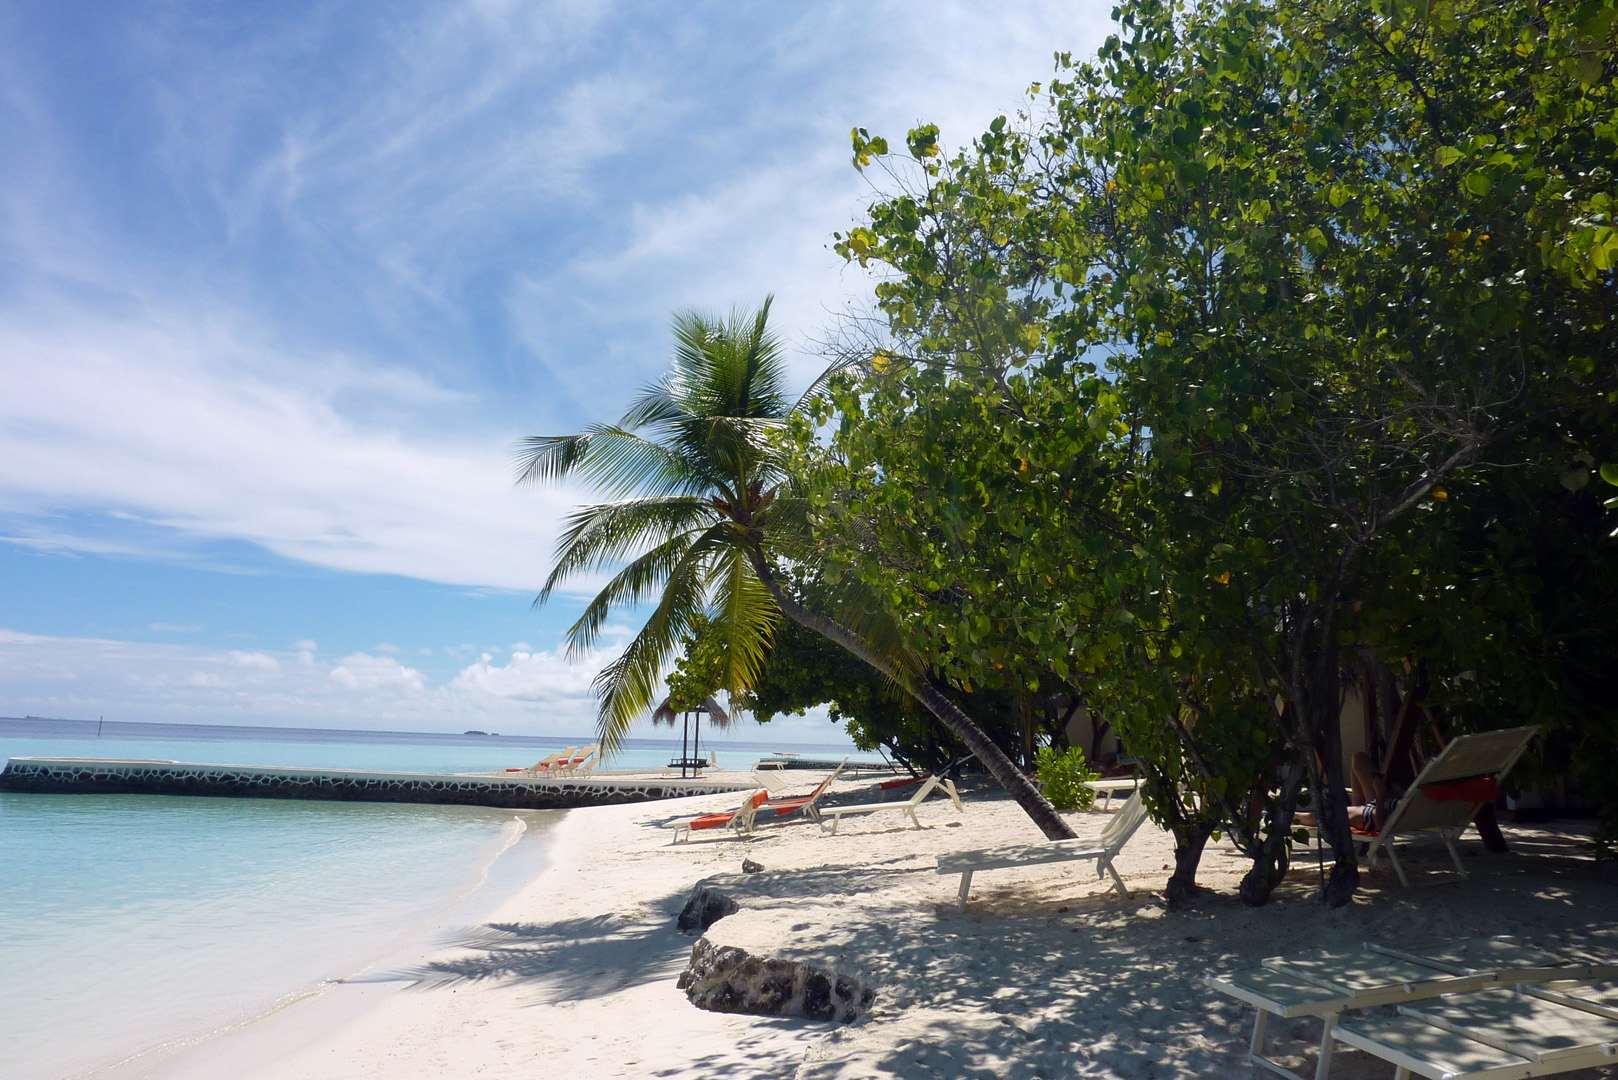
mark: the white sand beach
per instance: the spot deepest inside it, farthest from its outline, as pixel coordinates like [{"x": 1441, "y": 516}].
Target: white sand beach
[{"x": 1047, "y": 974}]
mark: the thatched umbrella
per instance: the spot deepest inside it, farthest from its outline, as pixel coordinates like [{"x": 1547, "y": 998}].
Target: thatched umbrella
[{"x": 717, "y": 716}]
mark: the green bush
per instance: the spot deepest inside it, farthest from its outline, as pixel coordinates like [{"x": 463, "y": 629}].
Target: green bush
[{"x": 1062, "y": 776}]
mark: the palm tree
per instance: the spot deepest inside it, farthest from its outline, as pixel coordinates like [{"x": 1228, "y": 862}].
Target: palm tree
[{"x": 701, "y": 507}]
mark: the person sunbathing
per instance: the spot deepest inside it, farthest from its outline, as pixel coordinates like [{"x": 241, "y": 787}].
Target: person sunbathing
[{"x": 1370, "y": 797}]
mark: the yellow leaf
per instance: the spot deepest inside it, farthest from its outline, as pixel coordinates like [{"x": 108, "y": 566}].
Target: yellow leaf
[
  {"x": 1440, "y": 494},
  {"x": 1223, "y": 579}
]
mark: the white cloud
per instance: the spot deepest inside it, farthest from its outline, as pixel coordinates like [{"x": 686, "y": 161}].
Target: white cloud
[
  {"x": 171, "y": 427},
  {"x": 362, "y": 671},
  {"x": 531, "y": 676},
  {"x": 533, "y": 693}
]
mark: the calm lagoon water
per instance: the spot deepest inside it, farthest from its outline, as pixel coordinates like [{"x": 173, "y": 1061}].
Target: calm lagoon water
[{"x": 128, "y": 922}]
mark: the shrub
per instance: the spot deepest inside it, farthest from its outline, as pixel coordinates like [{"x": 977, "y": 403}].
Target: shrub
[{"x": 1062, "y": 777}]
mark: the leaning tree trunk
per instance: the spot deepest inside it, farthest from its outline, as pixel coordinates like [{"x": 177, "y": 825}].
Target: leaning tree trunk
[{"x": 1002, "y": 768}]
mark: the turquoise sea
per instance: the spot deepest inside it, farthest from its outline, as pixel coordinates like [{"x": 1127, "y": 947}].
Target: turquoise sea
[{"x": 132, "y": 922}]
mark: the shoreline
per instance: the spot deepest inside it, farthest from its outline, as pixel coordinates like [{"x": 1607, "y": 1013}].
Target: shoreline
[
  {"x": 326, "y": 1005},
  {"x": 1047, "y": 974}
]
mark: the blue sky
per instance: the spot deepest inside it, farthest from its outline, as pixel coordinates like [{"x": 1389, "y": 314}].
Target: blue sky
[{"x": 282, "y": 284}]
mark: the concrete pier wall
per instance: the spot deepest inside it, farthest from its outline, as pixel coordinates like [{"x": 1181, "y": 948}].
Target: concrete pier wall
[{"x": 106, "y": 776}]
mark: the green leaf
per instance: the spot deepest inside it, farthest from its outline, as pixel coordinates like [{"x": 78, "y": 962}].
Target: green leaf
[
  {"x": 1448, "y": 155},
  {"x": 1609, "y": 473}
]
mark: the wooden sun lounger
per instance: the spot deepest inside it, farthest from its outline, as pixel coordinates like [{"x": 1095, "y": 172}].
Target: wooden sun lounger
[
  {"x": 908, "y": 807},
  {"x": 1103, "y": 850},
  {"x": 1517, "y": 1032},
  {"x": 1325, "y": 984}
]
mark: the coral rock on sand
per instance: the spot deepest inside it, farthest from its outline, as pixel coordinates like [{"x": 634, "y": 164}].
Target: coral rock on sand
[
  {"x": 725, "y": 978},
  {"x": 706, "y": 907}
]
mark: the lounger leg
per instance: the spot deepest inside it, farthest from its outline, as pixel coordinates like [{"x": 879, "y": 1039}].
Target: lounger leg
[
  {"x": 1256, "y": 1048},
  {"x": 1398, "y": 867},
  {"x": 1401, "y": 1073},
  {"x": 912, "y": 815},
  {"x": 1118, "y": 882},
  {"x": 966, "y": 886},
  {"x": 1449, "y": 842},
  {"x": 1328, "y": 1046}
]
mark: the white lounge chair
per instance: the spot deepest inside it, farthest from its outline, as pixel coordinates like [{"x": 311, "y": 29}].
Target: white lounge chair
[
  {"x": 1106, "y": 789},
  {"x": 1103, "y": 850},
  {"x": 908, "y": 807},
  {"x": 1325, "y": 984},
  {"x": 1447, "y": 794},
  {"x": 1522, "y": 1031},
  {"x": 773, "y": 781}
]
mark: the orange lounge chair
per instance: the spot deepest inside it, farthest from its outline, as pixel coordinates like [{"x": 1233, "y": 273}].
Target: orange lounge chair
[
  {"x": 552, "y": 765},
  {"x": 739, "y": 820},
  {"x": 571, "y": 766},
  {"x": 779, "y": 808}
]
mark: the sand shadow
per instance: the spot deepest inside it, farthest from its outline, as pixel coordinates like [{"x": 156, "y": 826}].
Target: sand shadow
[{"x": 566, "y": 960}]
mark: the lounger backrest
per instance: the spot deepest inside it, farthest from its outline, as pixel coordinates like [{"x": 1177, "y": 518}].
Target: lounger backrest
[
  {"x": 925, "y": 790},
  {"x": 820, "y": 788},
  {"x": 743, "y": 819},
  {"x": 1124, "y": 823},
  {"x": 1489, "y": 754}
]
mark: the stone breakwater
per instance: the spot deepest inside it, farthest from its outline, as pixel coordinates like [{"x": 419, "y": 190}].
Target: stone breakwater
[{"x": 91, "y": 776}]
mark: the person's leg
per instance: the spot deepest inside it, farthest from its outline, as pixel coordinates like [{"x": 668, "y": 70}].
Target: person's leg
[
  {"x": 1364, "y": 779},
  {"x": 1365, "y": 786}
]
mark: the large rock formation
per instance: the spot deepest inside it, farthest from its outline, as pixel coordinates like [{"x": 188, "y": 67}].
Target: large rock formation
[{"x": 727, "y": 978}]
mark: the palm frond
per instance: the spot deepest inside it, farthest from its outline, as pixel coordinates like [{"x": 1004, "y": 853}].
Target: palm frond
[
  {"x": 821, "y": 386},
  {"x": 596, "y": 536},
  {"x": 627, "y": 686},
  {"x": 636, "y": 583},
  {"x": 615, "y": 461},
  {"x": 745, "y": 616},
  {"x": 549, "y": 457}
]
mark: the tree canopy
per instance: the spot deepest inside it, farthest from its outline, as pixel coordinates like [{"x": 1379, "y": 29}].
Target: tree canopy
[{"x": 1259, "y": 347}]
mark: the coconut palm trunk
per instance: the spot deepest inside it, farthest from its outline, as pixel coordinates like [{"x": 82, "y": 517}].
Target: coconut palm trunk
[{"x": 963, "y": 727}]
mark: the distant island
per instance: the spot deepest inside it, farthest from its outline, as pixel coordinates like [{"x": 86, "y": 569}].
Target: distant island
[{"x": 476, "y": 732}]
